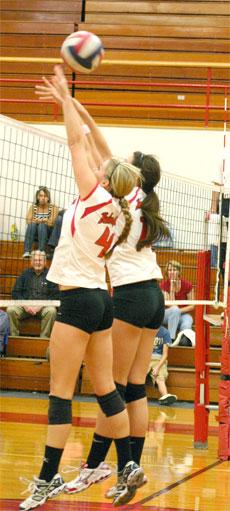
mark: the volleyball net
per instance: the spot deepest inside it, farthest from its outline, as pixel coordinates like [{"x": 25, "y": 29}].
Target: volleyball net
[{"x": 31, "y": 158}]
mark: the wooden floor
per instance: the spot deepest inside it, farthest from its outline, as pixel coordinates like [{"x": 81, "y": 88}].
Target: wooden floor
[{"x": 179, "y": 477}]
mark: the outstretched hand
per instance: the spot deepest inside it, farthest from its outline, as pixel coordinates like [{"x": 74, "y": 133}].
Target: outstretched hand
[{"x": 56, "y": 88}]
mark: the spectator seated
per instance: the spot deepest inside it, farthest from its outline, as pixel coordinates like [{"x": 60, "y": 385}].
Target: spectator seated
[{"x": 32, "y": 284}]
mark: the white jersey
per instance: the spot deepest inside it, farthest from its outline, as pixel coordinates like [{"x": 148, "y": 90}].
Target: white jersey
[
  {"x": 88, "y": 231},
  {"x": 126, "y": 265}
]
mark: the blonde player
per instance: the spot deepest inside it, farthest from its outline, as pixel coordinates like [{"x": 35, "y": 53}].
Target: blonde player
[
  {"x": 138, "y": 305},
  {"x": 83, "y": 326}
]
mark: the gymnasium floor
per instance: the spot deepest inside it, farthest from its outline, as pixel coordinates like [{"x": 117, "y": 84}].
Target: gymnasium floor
[{"x": 180, "y": 478}]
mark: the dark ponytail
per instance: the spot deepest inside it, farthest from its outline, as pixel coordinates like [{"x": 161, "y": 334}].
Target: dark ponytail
[{"x": 156, "y": 227}]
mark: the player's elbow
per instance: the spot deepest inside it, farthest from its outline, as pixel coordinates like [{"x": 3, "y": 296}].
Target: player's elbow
[{"x": 75, "y": 142}]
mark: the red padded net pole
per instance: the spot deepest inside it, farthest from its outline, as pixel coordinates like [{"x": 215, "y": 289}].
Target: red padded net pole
[
  {"x": 224, "y": 388},
  {"x": 202, "y": 354}
]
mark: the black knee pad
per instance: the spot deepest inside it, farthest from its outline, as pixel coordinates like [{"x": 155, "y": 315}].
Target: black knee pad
[
  {"x": 121, "y": 389},
  {"x": 60, "y": 410},
  {"x": 111, "y": 403},
  {"x": 134, "y": 391}
]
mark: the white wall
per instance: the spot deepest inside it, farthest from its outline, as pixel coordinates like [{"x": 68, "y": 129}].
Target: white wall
[{"x": 195, "y": 154}]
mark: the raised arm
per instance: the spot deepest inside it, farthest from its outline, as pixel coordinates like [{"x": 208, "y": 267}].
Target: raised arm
[
  {"x": 96, "y": 141},
  {"x": 84, "y": 175},
  {"x": 97, "y": 137}
]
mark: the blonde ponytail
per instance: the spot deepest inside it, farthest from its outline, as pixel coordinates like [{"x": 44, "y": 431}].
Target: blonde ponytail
[
  {"x": 126, "y": 230},
  {"x": 123, "y": 177}
]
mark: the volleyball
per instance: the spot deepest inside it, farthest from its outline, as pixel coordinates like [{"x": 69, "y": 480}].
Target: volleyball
[{"x": 82, "y": 51}]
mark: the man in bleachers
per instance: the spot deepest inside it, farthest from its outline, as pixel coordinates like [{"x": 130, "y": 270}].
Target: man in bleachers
[{"x": 32, "y": 284}]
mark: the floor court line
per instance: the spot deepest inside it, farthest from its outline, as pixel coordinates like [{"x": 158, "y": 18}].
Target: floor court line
[
  {"x": 60, "y": 505},
  {"x": 174, "y": 485},
  {"x": 91, "y": 422}
]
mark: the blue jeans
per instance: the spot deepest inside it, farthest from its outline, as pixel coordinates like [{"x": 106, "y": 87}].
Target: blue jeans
[
  {"x": 174, "y": 320},
  {"x": 38, "y": 232},
  {"x": 56, "y": 231}
]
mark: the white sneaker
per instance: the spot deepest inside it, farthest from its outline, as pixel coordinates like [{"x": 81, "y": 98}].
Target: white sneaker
[
  {"x": 167, "y": 399},
  {"x": 131, "y": 478},
  {"x": 111, "y": 492},
  {"x": 87, "y": 477},
  {"x": 26, "y": 255},
  {"x": 42, "y": 491}
]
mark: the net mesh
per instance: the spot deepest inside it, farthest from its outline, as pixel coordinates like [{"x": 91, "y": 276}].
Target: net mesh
[{"x": 31, "y": 158}]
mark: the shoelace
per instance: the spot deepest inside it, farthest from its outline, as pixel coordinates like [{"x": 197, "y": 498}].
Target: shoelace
[
  {"x": 82, "y": 471},
  {"x": 71, "y": 468},
  {"x": 31, "y": 485}
]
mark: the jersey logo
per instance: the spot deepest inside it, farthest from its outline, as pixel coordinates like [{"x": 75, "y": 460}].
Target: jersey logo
[
  {"x": 138, "y": 204},
  {"x": 107, "y": 219},
  {"x": 105, "y": 241}
]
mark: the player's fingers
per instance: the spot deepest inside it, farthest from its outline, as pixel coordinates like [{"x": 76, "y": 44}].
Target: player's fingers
[
  {"x": 43, "y": 90},
  {"x": 46, "y": 98},
  {"x": 46, "y": 81},
  {"x": 55, "y": 82}
]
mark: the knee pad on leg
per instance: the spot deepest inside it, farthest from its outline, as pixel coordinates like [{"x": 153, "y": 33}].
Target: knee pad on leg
[
  {"x": 134, "y": 391},
  {"x": 121, "y": 389},
  {"x": 111, "y": 403},
  {"x": 60, "y": 410}
]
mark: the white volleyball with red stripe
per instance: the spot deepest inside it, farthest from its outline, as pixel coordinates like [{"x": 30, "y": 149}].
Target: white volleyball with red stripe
[{"x": 82, "y": 51}]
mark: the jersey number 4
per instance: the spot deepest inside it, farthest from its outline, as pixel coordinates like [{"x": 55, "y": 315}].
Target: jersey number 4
[{"x": 105, "y": 241}]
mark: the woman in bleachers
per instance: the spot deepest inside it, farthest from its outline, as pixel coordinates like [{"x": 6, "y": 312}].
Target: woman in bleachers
[
  {"x": 40, "y": 219},
  {"x": 174, "y": 287}
]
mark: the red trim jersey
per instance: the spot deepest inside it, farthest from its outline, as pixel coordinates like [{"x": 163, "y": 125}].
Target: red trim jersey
[
  {"x": 126, "y": 265},
  {"x": 88, "y": 231}
]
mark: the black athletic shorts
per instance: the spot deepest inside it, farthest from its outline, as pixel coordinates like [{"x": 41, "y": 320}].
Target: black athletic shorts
[
  {"x": 91, "y": 310},
  {"x": 141, "y": 304}
]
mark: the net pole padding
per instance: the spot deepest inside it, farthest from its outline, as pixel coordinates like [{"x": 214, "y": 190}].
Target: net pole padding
[
  {"x": 224, "y": 386},
  {"x": 227, "y": 266},
  {"x": 224, "y": 389},
  {"x": 201, "y": 412}
]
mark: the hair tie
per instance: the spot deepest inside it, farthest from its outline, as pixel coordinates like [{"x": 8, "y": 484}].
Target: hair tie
[{"x": 142, "y": 155}]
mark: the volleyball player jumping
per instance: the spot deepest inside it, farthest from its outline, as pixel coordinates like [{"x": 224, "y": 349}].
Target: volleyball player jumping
[
  {"x": 138, "y": 305},
  {"x": 83, "y": 326}
]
